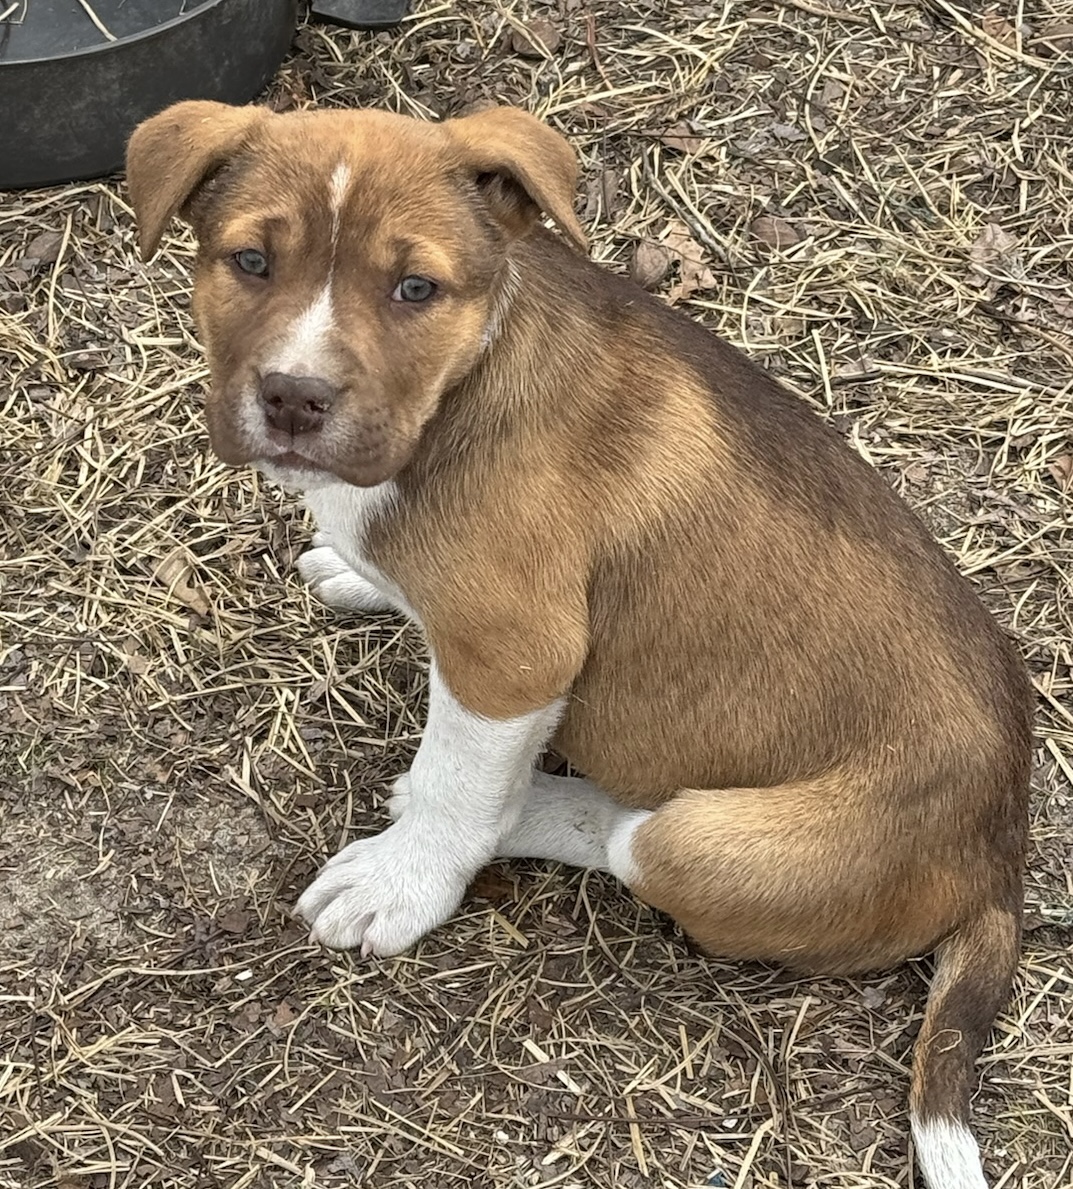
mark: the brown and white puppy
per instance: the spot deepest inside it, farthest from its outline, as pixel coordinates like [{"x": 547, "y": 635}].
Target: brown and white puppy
[{"x": 802, "y": 735}]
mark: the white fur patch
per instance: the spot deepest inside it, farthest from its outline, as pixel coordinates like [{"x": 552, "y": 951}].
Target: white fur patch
[
  {"x": 335, "y": 583},
  {"x": 566, "y": 820},
  {"x": 947, "y": 1154},
  {"x": 337, "y": 189},
  {"x": 620, "y": 860},
  {"x": 464, "y": 791},
  {"x": 343, "y": 513},
  {"x": 303, "y": 351}
]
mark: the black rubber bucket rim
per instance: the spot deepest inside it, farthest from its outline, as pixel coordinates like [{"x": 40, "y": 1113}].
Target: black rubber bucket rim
[
  {"x": 88, "y": 101},
  {"x": 119, "y": 43}
]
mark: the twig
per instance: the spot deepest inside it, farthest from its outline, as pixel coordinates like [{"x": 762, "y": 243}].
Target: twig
[{"x": 101, "y": 26}]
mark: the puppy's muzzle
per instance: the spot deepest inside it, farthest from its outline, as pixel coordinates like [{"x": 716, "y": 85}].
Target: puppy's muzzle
[{"x": 296, "y": 404}]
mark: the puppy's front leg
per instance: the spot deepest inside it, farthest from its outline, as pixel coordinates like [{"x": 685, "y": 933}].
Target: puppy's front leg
[
  {"x": 466, "y": 788},
  {"x": 335, "y": 583}
]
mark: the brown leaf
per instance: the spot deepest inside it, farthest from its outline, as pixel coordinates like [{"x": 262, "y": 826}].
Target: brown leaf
[
  {"x": 997, "y": 27},
  {"x": 775, "y": 232},
  {"x": 650, "y": 264},
  {"x": 235, "y": 921},
  {"x": 789, "y": 132},
  {"x": 44, "y": 248},
  {"x": 874, "y": 997},
  {"x": 693, "y": 272},
  {"x": 133, "y": 659},
  {"x": 1056, "y": 37},
  {"x": 537, "y": 39},
  {"x": 281, "y": 1018},
  {"x": 992, "y": 244},
  {"x": 174, "y": 572},
  {"x": 994, "y": 251},
  {"x": 861, "y": 1135},
  {"x": 493, "y": 886},
  {"x": 609, "y": 185},
  {"x": 832, "y": 90},
  {"x": 1061, "y": 469},
  {"x": 681, "y": 137},
  {"x": 854, "y": 369}
]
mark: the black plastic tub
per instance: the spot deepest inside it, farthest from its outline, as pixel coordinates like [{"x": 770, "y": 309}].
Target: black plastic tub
[{"x": 70, "y": 96}]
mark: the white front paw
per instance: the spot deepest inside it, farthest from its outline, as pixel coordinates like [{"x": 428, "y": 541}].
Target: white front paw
[
  {"x": 382, "y": 894},
  {"x": 335, "y": 583}
]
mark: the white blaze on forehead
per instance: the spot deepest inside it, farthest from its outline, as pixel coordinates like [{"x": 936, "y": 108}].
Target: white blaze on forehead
[
  {"x": 303, "y": 350},
  {"x": 337, "y": 191},
  {"x": 340, "y": 183}
]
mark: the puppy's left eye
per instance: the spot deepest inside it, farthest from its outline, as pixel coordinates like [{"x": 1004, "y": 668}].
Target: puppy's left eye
[
  {"x": 251, "y": 261},
  {"x": 414, "y": 289}
]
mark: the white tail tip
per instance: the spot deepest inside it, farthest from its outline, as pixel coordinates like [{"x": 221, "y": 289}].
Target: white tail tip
[{"x": 947, "y": 1154}]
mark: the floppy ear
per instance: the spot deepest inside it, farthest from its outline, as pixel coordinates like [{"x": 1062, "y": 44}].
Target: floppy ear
[
  {"x": 170, "y": 154},
  {"x": 523, "y": 167}
]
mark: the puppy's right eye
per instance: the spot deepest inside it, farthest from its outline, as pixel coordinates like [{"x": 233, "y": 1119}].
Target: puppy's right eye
[{"x": 249, "y": 260}]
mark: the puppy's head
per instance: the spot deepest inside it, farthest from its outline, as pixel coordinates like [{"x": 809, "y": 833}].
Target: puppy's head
[{"x": 349, "y": 266}]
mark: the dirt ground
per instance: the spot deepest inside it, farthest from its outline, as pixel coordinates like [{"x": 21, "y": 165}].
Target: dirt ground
[{"x": 872, "y": 199}]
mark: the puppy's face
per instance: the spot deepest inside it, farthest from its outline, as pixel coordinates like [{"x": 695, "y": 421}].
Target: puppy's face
[{"x": 350, "y": 267}]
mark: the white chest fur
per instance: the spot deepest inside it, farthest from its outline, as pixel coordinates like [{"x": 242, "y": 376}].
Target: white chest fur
[{"x": 343, "y": 514}]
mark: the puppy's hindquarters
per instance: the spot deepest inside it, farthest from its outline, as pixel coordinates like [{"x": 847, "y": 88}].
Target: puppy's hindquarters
[{"x": 780, "y": 874}]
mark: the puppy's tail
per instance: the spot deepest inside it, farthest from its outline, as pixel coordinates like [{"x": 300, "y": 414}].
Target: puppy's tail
[{"x": 974, "y": 969}]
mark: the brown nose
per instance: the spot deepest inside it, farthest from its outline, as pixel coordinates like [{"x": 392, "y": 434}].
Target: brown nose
[{"x": 296, "y": 404}]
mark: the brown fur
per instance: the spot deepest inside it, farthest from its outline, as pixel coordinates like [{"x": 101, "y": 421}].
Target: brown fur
[{"x": 610, "y": 503}]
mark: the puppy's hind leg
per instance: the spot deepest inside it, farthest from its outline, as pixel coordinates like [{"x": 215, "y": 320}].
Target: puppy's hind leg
[{"x": 569, "y": 820}]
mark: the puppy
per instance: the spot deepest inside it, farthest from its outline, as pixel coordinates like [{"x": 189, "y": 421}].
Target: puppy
[{"x": 802, "y": 736}]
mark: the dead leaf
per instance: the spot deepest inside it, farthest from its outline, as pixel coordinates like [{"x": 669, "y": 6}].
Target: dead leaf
[
  {"x": 999, "y": 29},
  {"x": 133, "y": 659},
  {"x": 235, "y": 921},
  {"x": 281, "y": 1018},
  {"x": 789, "y": 132},
  {"x": 775, "y": 232},
  {"x": 856, "y": 369},
  {"x": 862, "y": 1135},
  {"x": 874, "y": 997},
  {"x": 992, "y": 244},
  {"x": 681, "y": 137},
  {"x": 1056, "y": 37},
  {"x": 832, "y": 91},
  {"x": 650, "y": 264},
  {"x": 1062, "y": 306},
  {"x": 174, "y": 572},
  {"x": 1061, "y": 469},
  {"x": 693, "y": 272},
  {"x": 537, "y": 39},
  {"x": 44, "y": 248},
  {"x": 609, "y": 187},
  {"x": 994, "y": 257},
  {"x": 493, "y": 886}
]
